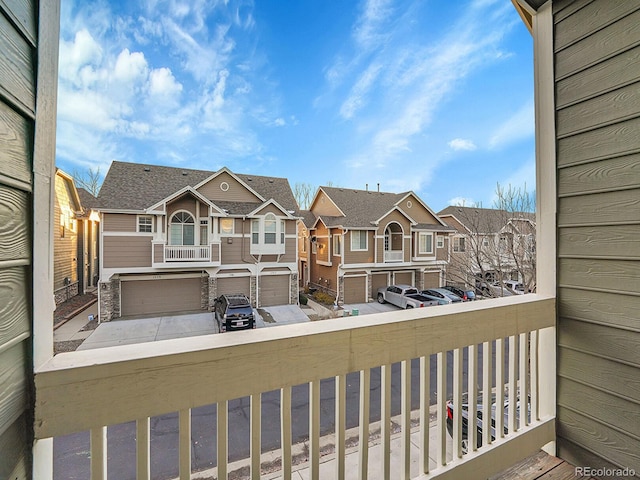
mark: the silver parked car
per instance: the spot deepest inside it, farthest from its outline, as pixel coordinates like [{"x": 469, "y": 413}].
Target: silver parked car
[{"x": 442, "y": 296}]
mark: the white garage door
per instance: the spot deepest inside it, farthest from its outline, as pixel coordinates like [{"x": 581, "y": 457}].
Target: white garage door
[
  {"x": 274, "y": 290},
  {"x": 355, "y": 289},
  {"x": 150, "y": 297}
]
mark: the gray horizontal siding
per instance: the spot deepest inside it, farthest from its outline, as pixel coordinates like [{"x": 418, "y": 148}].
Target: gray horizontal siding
[
  {"x": 597, "y": 69},
  {"x": 17, "y": 111}
]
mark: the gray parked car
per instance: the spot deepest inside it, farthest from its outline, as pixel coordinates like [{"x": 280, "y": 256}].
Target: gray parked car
[{"x": 440, "y": 295}]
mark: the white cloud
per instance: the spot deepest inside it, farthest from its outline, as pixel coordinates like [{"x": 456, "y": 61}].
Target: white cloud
[
  {"x": 462, "y": 144},
  {"x": 368, "y": 30},
  {"x": 131, "y": 67},
  {"x": 280, "y": 122},
  {"x": 520, "y": 126},
  {"x": 359, "y": 92},
  {"x": 163, "y": 83}
]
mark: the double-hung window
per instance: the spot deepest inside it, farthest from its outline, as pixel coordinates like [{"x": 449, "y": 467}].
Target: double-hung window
[
  {"x": 358, "y": 240},
  {"x": 337, "y": 244},
  {"x": 458, "y": 244},
  {"x": 425, "y": 243},
  {"x": 267, "y": 235},
  {"x": 145, "y": 224}
]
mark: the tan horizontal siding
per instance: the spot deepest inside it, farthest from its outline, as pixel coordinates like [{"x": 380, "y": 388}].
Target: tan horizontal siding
[
  {"x": 119, "y": 222},
  {"x": 607, "y": 274},
  {"x": 598, "y": 307},
  {"x": 235, "y": 193},
  {"x": 123, "y": 252}
]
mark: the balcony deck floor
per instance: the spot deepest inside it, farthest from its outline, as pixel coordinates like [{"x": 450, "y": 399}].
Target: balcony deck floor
[{"x": 540, "y": 466}]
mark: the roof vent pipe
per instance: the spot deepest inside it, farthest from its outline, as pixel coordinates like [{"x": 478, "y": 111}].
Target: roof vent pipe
[
  {"x": 378, "y": 187},
  {"x": 366, "y": 186}
]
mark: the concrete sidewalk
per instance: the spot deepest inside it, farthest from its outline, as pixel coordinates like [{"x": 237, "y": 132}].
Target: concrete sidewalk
[{"x": 328, "y": 464}]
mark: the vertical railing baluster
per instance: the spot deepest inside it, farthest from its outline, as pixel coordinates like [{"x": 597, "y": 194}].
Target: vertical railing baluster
[
  {"x": 256, "y": 434},
  {"x": 457, "y": 404},
  {"x": 524, "y": 380},
  {"x": 441, "y": 392},
  {"x": 487, "y": 376},
  {"x": 285, "y": 431},
  {"x": 341, "y": 425},
  {"x": 222, "y": 438},
  {"x": 472, "y": 400},
  {"x": 98, "y": 448},
  {"x": 425, "y": 401},
  {"x": 314, "y": 429},
  {"x": 143, "y": 463},
  {"x": 405, "y": 413},
  {"x": 184, "y": 433},
  {"x": 533, "y": 376},
  {"x": 499, "y": 415},
  {"x": 363, "y": 450},
  {"x": 513, "y": 383},
  {"x": 385, "y": 419}
]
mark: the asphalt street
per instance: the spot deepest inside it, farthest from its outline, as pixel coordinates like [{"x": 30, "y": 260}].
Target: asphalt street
[{"x": 71, "y": 453}]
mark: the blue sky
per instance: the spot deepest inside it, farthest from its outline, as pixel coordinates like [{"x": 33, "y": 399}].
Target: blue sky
[{"x": 434, "y": 96}]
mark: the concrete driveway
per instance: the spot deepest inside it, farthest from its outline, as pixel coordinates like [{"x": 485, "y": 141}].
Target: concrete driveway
[
  {"x": 140, "y": 330},
  {"x": 369, "y": 308}
]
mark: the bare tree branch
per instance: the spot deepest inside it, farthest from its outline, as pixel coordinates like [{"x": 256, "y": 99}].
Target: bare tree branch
[{"x": 90, "y": 180}]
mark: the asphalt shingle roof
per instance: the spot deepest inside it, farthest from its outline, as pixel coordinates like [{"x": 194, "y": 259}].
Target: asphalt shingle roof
[
  {"x": 484, "y": 220},
  {"x": 361, "y": 207},
  {"x": 136, "y": 186}
]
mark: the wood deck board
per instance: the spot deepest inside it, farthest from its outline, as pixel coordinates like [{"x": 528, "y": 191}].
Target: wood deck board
[{"x": 540, "y": 466}]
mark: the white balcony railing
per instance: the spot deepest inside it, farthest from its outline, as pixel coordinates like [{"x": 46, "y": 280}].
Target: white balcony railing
[
  {"x": 504, "y": 341},
  {"x": 393, "y": 256},
  {"x": 187, "y": 253}
]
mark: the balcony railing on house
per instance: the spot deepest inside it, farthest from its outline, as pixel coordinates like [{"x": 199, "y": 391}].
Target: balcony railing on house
[
  {"x": 179, "y": 256},
  {"x": 393, "y": 256},
  {"x": 187, "y": 253},
  {"x": 506, "y": 342}
]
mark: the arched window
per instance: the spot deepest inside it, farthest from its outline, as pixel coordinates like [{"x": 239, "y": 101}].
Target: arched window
[
  {"x": 181, "y": 229},
  {"x": 270, "y": 229}
]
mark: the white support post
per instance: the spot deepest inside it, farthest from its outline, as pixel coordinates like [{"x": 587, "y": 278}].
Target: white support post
[
  {"x": 513, "y": 383},
  {"x": 487, "y": 362},
  {"x": 441, "y": 391},
  {"x": 385, "y": 419},
  {"x": 457, "y": 404},
  {"x": 546, "y": 198},
  {"x": 405, "y": 387},
  {"x": 499, "y": 414},
  {"x": 285, "y": 431},
  {"x": 472, "y": 398},
  {"x": 363, "y": 447},
  {"x": 314, "y": 429},
  {"x": 341, "y": 417},
  {"x": 222, "y": 431},
  {"x": 98, "y": 460},
  {"x": 425, "y": 400},
  {"x": 184, "y": 433},
  {"x": 255, "y": 429},
  {"x": 143, "y": 443}
]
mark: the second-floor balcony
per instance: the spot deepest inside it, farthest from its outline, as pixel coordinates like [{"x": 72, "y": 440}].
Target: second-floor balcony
[
  {"x": 502, "y": 349},
  {"x": 393, "y": 256},
  {"x": 165, "y": 255}
]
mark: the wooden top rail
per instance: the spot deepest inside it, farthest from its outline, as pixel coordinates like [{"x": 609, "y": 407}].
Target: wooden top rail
[{"x": 80, "y": 390}]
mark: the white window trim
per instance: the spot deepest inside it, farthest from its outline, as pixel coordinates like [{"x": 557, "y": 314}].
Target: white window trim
[
  {"x": 140, "y": 217},
  {"x": 366, "y": 241},
  {"x": 233, "y": 227},
  {"x": 439, "y": 241},
  {"x": 337, "y": 245},
  {"x": 262, "y": 247},
  {"x": 455, "y": 248},
  {"x": 425, "y": 235}
]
